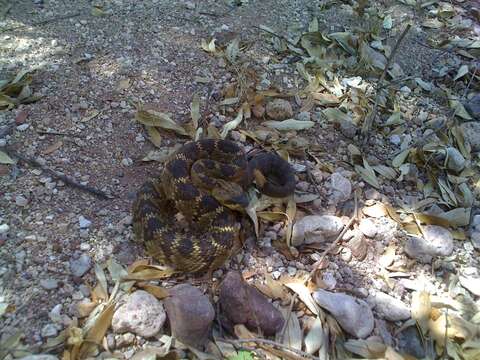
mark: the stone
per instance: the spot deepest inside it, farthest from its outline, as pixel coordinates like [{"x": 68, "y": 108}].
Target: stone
[
  {"x": 316, "y": 228},
  {"x": 472, "y": 105},
  {"x": 347, "y": 128},
  {"x": 279, "y": 109},
  {"x": 80, "y": 266},
  {"x": 368, "y": 227},
  {"x": 244, "y": 304},
  {"x": 471, "y": 132},
  {"x": 49, "y": 330},
  {"x": 341, "y": 188},
  {"x": 21, "y": 200},
  {"x": 39, "y": 357},
  {"x": 49, "y": 284},
  {"x": 437, "y": 241},
  {"x": 55, "y": 314},
  {"x": 455, "y": 162},
  {"x": 352, "y": 314},
  {"x": 475, "y": 238},
  {"x": 141, "y": 314},
  {"x": 190, "y": 314},
  {"x": 23, "y": 127},
  {"x": 304, "y": 116},
  {"x": 84, "y": 222},
  {"x": 410, "y": 342},
  {"x": 4, "y": 229},
  {"x": 388, "y": 307},
  {"x": 258, "y": 110}
]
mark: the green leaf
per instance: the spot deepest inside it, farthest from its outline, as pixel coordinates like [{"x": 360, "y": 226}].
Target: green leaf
[
  {"x": 290, "y": 124},
  {"x": 386, "y": 171},
  {"x": 462, "y": 71},
  {"x": 335, "y": 115},
  {"x": 5, "y": 159},
  {"x": 242, "y": 355},
  {"x": 400, "y": 158},
  {"x": 367, "y": 174}
]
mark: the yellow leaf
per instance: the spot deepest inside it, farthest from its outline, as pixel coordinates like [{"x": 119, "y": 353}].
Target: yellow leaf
[
  {"x": 154, "y": 135},
  {"x": 95, "y": 335},
  {"x": 156, "y": 118},
  {"x": 157, "y": 291},
  {"x": 421, "y": 309}
]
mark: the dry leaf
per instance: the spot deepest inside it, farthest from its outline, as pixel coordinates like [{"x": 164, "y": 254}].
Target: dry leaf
[
  {"x": 421, "y": 308},
  {"x": 151, "y": 117},
  {"x": 292, "y": 332},
  {"x": 157, "y": 291},
  {"x": 231, "y": 125},
  {"x": 315, "y": 338},
  {"x": 289, "y": 124},
  {"x": 5, "y": 159},
  {"x": 54, "y": 147}
]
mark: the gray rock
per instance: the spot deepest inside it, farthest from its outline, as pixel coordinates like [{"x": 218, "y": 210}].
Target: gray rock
[
  {"x": 21, "y": 200},
  {"x": 80, "y": 266},
  {"x": 475, "y": 238},
  {"x": 84, "y": 222},
  {"x": 395, "y": 139},
  {"x": 304, "y": 116},
  {"x": 347, "y": 128},
  {"x": 243, "y": 304},
  {"x": 56, "y": 314},
  {"x": 368, "y": 227},
  {"x": 23, "y": 127},
  {"x": 353, "y": 315},
  {"x": 471, "y": 131},
  {"x": 39, "y": 357},
  {"x": 316, "y": 228},
  {"x": 4, "y": 229},
  {"x": 190, "y": 314},
  {"x": 388, "y": 307},
  {"x": 341, "y": 188},
  {"x": 49, "y": 284},
  {"x": 410, "y": 342},
  {"x": 141, "y": 314},
  {"x": 49, "y": 330},
  {"x": 456, "y": 161},
  {"x": 438, "y": 241},
  {"x": 279, "y": 109},
  {"x": 473, "y": 106}
]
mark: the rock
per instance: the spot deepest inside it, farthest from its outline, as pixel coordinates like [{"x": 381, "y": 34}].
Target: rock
[
  {"x": 470, "y": 280},
  {"x": 55, "y": 314},
  {"x": 80, "y": 266},
  {"x": 395, "y": 139},
  {"x": 83, "y": 222},
  {"x": 438, "y": 241},
  {"x": 341, "y": 188},
  {"x": 125, "y": 340},
  {"x": 49, "y": 330},
  {"x": 141, "y": 314},
  {"x": 475, "y": 238},
  {"x": 243, "y": 304},
  {"x": 304, "y": 116},
  {"x": 279, "y": 109},
  {"x": 39, "y": 357},
  {"x": 23, "y": 127},
  {"x": 410, "y": 342},
  {"x": 190, "y": 314},
  {"x": 258, "y": 110},
  {"x": 473, "y": 106},
  {"x": 456, "y": 161},
  {"x": 471, "y": 132},
  {"x": 316, "y": 228},
  {"x": 21, "y": 200},
  {"x": 368, "y": 228},
  {"x": 388, "y": 307},
  {"x": 4, "y": 228},
  {"x": 347, "y": 128},
  {"x": 49, "y": 284},
  {"x": 353, "y": 315}
]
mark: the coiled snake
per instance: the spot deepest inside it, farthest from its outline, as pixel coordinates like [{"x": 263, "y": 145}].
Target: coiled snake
[{"x": 204, "y": 181}]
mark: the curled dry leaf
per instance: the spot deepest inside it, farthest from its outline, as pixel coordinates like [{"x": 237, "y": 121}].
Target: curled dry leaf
[
  {"x": 289, "y": 124},
  {"x": 152, "y": 117},
  {"x": 316, "y": 337},
  {"x": 231, "y": 125},
  {"x": 421, "y": 308},
  {"x": 369, "y": 349}
]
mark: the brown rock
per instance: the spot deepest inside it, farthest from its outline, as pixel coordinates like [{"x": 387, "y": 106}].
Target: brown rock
[
  {"x": 243, "y": 304},
  {"x": 258, "y": 110},
  {"x": 279, "y": 109},
  {"x": 190, "y": 314}
]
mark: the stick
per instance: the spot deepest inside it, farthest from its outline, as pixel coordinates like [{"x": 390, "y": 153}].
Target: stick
[
  {"x": 340, "y": 236},
  {"x": 42, "y": 22},
  {"x": 55, "y": 174},
  {"x": 369, "y": 119},
  {"x": 272, "y": 343}
]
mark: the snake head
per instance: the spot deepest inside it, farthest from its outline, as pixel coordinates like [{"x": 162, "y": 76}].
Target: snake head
[{"x": 230, "y": 195}]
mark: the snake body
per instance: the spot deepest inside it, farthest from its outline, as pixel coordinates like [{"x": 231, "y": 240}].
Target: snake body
[{"x": 204, "y": 182}]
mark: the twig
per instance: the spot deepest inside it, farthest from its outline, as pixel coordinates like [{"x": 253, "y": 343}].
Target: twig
[
  {"x": 277, "y": 35},
  {"x": 340, "y": 236},
  {"x": 272, "y": 343},
  {"x": 42, "y": 22},
  {"x": 369, "y": 119},
  {"x": 44, "y": 132},
  {"x": 55, "y": 174}
]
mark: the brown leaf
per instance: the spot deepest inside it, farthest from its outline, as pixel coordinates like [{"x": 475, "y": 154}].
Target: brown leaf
[
  {"x": 54, "y": 147},
  {"x": 157, "y": 291},
  {"x": 95, "y": 335},
  {"x": 21, "y": 117}
]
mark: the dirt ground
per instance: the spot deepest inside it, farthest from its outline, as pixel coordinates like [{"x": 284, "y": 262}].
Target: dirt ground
[{"x": 90, "y": 70}]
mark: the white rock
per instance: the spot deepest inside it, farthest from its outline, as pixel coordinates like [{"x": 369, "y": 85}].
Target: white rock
[
  {"x": 56, "y": 313},
  {"x": 353, "y": 315},
  {"x": 21, "y": 200},
  {"x": 84, "y": 222},
  {"x": 49, "y": 330},
  {"x": 142, "y": 314},
  {"x": 316, "y": 228},
  {"x": 39, "y": 357},
  {"x": 438, "y": 241},
  {"x": 368, "y": 227},
  {"x": 23, "y": 127},
  {"x": 80, "y": 266},
  {"x": 49, "y": 284},
  {"x": 388, "y": 307},
  {"x": 341, "y": 188},
  {"x": 4, "y": 228}
]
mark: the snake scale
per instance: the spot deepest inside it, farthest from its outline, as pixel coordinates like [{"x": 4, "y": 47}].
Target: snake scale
[{"x": 204, "y": 181}]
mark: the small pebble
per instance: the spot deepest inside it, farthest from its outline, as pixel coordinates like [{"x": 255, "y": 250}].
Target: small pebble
[
  {"x": 23, "y": 127},
  {"x": 21, "y": 200},
  {"x": 49, "y": 330},
  {"x": 83, "y": 222},
  {"x": 49, "y": 284}
]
